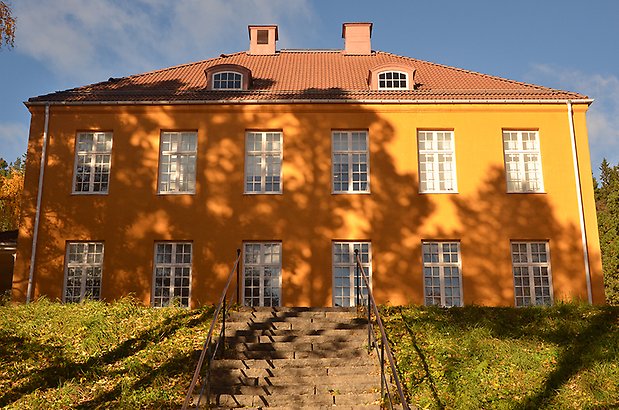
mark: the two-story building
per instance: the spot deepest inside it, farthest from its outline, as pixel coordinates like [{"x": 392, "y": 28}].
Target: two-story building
[{"x": 456, "y": 187}]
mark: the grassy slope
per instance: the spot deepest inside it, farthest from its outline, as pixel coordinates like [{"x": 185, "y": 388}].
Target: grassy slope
[
  {"x": 97, "y": 355},
  {"x": 122, "y": 355},
  {"x": 563, "y": 357}
]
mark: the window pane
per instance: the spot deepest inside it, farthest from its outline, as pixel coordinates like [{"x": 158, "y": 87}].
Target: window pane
[{"x": 83, "y": 271}]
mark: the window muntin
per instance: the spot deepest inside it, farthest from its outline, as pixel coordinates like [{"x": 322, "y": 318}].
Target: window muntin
[
  {"x": 83, "y": 271},
  {"x": 345, "y": 278},
  {"x": 93, "y": 155},
  {"x": 262, "y": 273},
  {"x": 177, "y": 162},
  {"x": 172, "y": 275},
  {"x": 437, "y": 161},
  {"x": 350, "y": 162},
  {"x": 532, "y": 276},
  {"x": 263, "y": 162},
  {"x": 227, "y": 80},
  {"x": 523, "y": 164},
  {"x": 392, "y": 80},
  {"x": 442, "y": 276}
]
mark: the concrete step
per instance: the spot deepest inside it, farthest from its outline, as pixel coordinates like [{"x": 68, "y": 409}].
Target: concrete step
[
  {"x": 348, "y": 381},
  {"x": 293, "y": 389},
  {"x": 218, "y": 371},
  {"x": 344, "y": 353},
  {"x": 296, "y": 324},
  {"x": 278, "y": 316},
  {"x": 318, "y": 345},
  {"x": 292, "y": 336},
  {"x": 311, "y": 407},
  {"x": 294, "y": 401},
  {"x": 314, "y": 331},
  {"x": 323, "y": 363}
]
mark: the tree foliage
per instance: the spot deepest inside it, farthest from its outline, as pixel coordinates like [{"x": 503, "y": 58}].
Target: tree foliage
[
  {"x": 7, "y": 25},
  {"x": 11, "y": 187},
  {"x": 607, "y": 205}
]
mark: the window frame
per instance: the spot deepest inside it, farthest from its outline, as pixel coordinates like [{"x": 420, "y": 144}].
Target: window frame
[
  {"x": 92, "y": 163},
  {"x": 263, "y": 153},
  {"x": 261, "y": 265},
  {"x": 352, "y": 270},
  {"x": 350, "y": 152},
  {"x": 530, "y": 265},
  {"x": 406, "y": 79},
  {"x": 178, "y": 153},
  {"x": 174, "y": 265},
  {"x": 521, "y": 152},
  {"x": 435, "y": 152},
  {"x": 441, "y": 265},
  {"x": 83, "y": 265},
  {"x": 227, "y": 81}
]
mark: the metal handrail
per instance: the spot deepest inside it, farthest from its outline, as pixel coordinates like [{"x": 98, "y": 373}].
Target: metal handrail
[
  {"x": 222, "y": 334},
  {"x": 384, "y": 348}
]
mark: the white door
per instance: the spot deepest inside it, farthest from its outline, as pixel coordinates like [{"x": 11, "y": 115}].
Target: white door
[
  {"x": 345, "y": 279},
  {"x": 262, "y": 273}
]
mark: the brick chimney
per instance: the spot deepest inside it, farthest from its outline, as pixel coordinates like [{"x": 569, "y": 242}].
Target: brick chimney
[
  {"x": 357, "y": 38},
  {"x": 262, "y": 39}
]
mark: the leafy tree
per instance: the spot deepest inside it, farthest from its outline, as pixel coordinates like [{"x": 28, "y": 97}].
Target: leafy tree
[
  {"x": 607, "y": 205},
  {"x": 11, "y": 187},
  {"x": 7, "y": 25}
]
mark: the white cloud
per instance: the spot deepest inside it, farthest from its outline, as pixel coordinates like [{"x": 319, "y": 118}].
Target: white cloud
[
  {"x": 13, "y": 140},
  {"x": 87, "y": 41},
  {"x": 602, "y": 117}
]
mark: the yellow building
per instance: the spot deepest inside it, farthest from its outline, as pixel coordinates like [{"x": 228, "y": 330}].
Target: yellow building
[{"x": 456, "y": 187}]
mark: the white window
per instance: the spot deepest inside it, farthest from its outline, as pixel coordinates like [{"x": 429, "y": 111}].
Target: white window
[
  {"x": 93, "y": 154},
  {"x": 262, "y": 273},
  {"x": 346, "y": 281},
  {"x": 83, "y": 269},
  {"x": 442, "y": 278},
  {"x": 227, "y": 80},
  {"x": 172, "y": 276},
  {"x": 263, "y": 162},
  {"x": 392, "y": 80},
  {"x": 523, "y": 164},
  {"x": 437, "y": 161},
  {"x": 351, "y": 162},
  {"x": 177, "y": 162},
  {"x": 532, "y": 278}
]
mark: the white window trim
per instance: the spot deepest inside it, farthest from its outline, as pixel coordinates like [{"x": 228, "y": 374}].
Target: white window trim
[
  {"x": 173, "y": 264},
  {"x": 263, "y": 155},
  {"x": 521, "y": 153},
  {"x": 161, "y": 152},
  {"x": 392, "y": 88},
  {"x": 454, "y": 172},
  {"x": 83, "y": 284},
  {"x": 91, "y": 153},
  {"x": 261, "y": 264},
  {"x": 226, "y": 72},
  {"x": 353, "y": 265},
  {"x": 529, "y": 265},
  {"x": 350, "y": 153},
  {"x": 441, "y": 264}
]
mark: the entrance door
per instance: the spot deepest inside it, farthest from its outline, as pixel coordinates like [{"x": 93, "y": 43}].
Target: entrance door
[
  {"x": 345, "y": 279},
  {"x": 262, "y": 273}
]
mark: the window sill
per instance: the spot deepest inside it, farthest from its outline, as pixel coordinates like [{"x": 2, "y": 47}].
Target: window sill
[
  {"x": 176, "y": 193},
  {"x": 262, "y": 193},
  {"x": 89, "y": 193},
  {"x": 350, "y": 192},
  {"x": 437, "y": 192}
]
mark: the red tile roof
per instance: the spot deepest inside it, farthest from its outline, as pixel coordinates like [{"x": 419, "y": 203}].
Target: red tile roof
[{"x": 306, "y": 75}]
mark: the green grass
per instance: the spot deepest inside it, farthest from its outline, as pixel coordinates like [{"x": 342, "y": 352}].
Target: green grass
[
  {"x": 95, "y": 355},
  {"x": 560, "y": 357}
]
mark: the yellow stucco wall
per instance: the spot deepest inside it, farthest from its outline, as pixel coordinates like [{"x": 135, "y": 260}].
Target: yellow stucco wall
[{"x": 307, "y": 217}]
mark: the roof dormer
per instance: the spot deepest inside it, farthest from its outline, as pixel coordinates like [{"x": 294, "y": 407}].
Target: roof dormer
[
  {"x": 392, "y": 77},
  {"x": 228, "y": 77}
]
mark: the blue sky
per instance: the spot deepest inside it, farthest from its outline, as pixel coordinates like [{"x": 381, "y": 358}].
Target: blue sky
[{"x": 566, "y": 44}]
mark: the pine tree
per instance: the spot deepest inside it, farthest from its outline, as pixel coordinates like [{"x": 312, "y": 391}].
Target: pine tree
[{"x": 607, "y": 205}]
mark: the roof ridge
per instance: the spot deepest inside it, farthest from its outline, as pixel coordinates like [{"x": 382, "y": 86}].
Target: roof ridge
[{"x": 463, "y": 70}]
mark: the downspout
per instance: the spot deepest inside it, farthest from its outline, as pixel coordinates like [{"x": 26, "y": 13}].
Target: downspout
[
  {"x": 37, "y": 215},
  {"x": 581, "y": 209}
]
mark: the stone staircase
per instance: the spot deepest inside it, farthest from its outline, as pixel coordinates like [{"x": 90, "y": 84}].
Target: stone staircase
[{"x": 296, "y": 358}]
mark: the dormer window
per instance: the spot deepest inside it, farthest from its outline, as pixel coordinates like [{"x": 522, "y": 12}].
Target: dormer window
[
  {"x": 227, "y": 80},
  {"x": 392, "y": 80}
]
